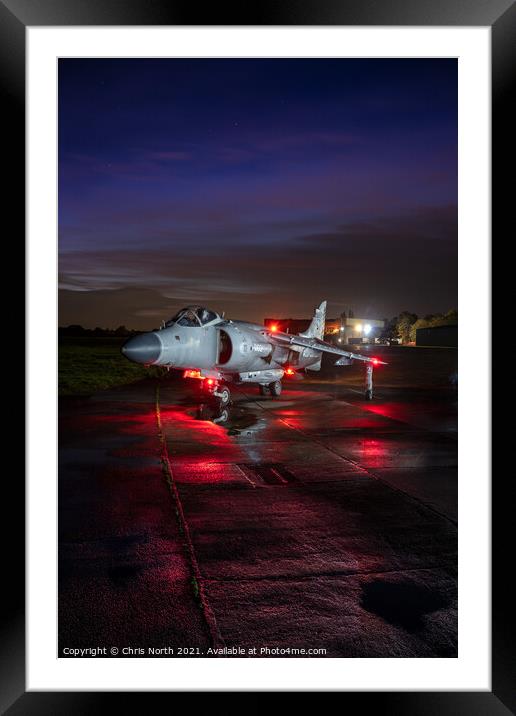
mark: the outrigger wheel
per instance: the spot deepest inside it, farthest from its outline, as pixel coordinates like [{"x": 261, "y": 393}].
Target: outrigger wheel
[
  {"x": 369, "y": 382},
  {"x": 275, "y": 388}
]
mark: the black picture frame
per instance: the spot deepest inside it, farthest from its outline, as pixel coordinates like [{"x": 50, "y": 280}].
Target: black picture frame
[{"x": 15, "y": 17}]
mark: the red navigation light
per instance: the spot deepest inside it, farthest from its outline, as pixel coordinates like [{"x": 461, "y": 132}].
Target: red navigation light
[
  {"x": 289, "y": 371},
  {"x": 374, "y": 361},
  {"x": 274, "y": 327},
  {"x": 210, "y": 381}
]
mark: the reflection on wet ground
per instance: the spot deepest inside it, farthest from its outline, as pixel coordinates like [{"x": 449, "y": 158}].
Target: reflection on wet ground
[
  {"x": 237, "y": 419},
  {"x": 317, "y": 519},
  {"x": 402, "y": 602}
]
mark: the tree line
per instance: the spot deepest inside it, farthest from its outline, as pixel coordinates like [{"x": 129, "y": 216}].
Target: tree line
[
  {"x": 76, "y": 330},
  {"x": 406, "y": 324}
]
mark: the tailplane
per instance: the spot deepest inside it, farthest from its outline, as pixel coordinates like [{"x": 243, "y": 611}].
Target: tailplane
[{"x": 316, "y": 327}]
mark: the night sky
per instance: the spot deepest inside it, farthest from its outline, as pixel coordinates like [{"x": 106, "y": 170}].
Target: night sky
[{"x": 256, "y": 187}]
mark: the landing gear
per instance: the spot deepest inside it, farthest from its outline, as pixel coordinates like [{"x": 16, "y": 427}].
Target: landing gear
[
  {"x": 223, "y": 394},
  {"x": 264, "y": 389},
  {"x": 219, "y": 393},
  {"x": 275, "y": 388},
  {"x": 369, "y": 382}
]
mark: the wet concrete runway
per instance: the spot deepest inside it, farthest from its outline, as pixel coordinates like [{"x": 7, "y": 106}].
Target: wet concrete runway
[{"x": 312, "y": 521}]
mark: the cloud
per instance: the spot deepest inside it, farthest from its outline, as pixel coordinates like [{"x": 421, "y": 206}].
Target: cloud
[{"x": 380, "y": 267}]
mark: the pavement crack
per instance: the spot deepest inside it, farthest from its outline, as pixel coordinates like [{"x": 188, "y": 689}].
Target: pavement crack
[
  {"x": 197, "y": 578},
  {"x": 323, "y": 575}
]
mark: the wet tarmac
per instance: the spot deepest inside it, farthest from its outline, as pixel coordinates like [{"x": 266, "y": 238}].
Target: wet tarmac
[{"x": 315, "y": 520}]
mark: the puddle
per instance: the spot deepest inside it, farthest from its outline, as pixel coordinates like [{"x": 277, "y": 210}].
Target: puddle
[
  {"x": 237, "y": 420},
  {"x": 122, "y": 574},
  {"x": 401, "y": 603}
]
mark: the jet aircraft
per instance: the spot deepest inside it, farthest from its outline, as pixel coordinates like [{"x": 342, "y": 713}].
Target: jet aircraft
[{"x": 221, "y": 352}]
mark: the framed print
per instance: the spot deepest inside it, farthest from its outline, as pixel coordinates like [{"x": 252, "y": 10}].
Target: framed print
[{"x": 251, "y": 403}]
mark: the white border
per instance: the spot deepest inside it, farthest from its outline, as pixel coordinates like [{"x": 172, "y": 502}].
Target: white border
[{"x": 471, "y": 670}]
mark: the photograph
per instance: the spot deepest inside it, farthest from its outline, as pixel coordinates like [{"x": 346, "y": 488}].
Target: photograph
[
  {"x": 257, "y": 357},
  {"x": 259, "y": 443}
]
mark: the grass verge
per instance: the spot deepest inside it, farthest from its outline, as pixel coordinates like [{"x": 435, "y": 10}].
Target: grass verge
[{"x": 87, "y": 365}]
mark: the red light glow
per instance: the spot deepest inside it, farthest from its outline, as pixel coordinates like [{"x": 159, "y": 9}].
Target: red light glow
[
  {"x": 274, "y": 327},
  {"x": 193, "y": 374},
  {"x": 210, "y": 381},
  {"x": 290, "y": 371},
  {"x": 374, "y": 361}
]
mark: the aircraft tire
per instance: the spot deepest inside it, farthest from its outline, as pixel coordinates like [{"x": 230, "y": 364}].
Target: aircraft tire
[
  {"x": 264, "y": 389},
  {"x": 275, "y": 388},
  {"x": 224, "y": 395},
  {"x": 369, "y": 395}
]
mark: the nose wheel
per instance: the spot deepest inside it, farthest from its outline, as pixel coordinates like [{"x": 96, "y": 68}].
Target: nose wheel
[
  {"x": 218, "y": 392},
  {"x": 223, "y": 394}
]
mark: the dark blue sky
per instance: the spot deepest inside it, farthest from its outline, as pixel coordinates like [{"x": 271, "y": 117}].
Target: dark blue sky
[{"x": 258, "y": 187}]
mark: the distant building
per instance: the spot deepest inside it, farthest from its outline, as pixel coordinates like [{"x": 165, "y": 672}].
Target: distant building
[
  {"x": 361, "y": 330},
  {"x": 437, "y": 336},
  {"x": 337, "y": 330}
]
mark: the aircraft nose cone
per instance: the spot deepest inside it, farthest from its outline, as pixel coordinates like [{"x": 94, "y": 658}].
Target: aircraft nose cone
[{"x": 145, "y": 348}]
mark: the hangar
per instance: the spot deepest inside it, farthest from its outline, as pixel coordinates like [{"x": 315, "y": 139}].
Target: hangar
[{"x": 437, "y": 336}]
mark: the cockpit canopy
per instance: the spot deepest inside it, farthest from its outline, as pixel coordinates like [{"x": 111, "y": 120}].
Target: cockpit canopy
[{"x": 193, "y": 316}]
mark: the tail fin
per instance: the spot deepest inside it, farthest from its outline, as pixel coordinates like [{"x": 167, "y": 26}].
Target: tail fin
[{"x": 316, "y": 327}]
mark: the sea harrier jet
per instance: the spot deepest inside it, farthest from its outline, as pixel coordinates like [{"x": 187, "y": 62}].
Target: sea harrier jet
[{"x": 220, "y": 351}]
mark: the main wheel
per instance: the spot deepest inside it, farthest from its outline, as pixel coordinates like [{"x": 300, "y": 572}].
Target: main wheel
[
  {"x": 264, "y": 389},
  {"x": 275, "y": 388},
  {"x": 224, "y": 395},
  {"x": 369, "y": 395}
]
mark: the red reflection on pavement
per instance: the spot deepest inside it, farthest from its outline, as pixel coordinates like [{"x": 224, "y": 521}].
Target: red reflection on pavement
[
  {"x": 394, "y": 411},
  {"x": 370, "y": 447}
]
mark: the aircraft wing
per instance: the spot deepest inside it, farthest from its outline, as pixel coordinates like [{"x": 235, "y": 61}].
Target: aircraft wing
[{"x": 285, "y": 340}]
